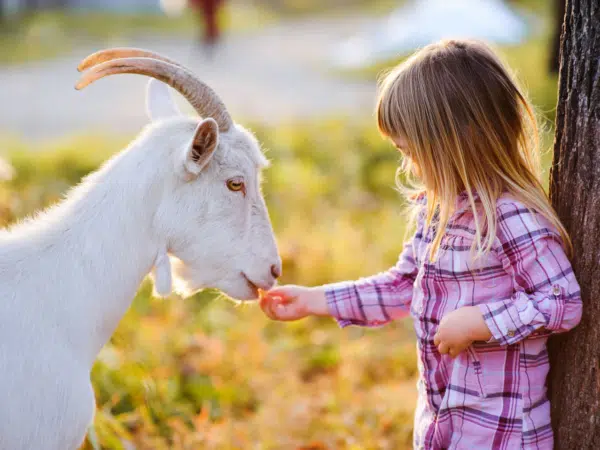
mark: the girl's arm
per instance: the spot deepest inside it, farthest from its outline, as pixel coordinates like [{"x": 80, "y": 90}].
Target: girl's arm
[
  {"x": 370, "y": 301},
  {"x": 376, "y": 300},
  {"x": 547, "y": 298}
]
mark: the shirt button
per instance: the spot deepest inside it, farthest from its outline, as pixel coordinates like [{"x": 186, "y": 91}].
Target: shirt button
[
  {"x": 556, "y": 290},
  {"x": 510, "y": 333}
]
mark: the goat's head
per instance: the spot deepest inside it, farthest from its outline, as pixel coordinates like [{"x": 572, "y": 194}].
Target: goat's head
[{"x": 213, "y": 215}]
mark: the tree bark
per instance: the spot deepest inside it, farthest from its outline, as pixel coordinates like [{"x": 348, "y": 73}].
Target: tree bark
[{"x": 575, "y": 194}]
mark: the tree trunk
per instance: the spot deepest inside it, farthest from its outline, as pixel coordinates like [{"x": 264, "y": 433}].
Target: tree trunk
[{"x": 575, "y": 193}]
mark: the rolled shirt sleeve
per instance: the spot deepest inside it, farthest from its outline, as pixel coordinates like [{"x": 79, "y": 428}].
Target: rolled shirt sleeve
[
  {"x": 547, "y": 296},
  {"x": 376, "y": 300}
]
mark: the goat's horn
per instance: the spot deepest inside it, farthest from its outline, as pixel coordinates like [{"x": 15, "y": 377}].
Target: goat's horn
[
  {"x": 115, "y": 53},
  {"x": 204, "y": 100}
]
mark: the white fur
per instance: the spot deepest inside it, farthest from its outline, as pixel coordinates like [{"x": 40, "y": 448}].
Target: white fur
[
  {"x": 163, "y": 281},
  {"x": 68, "y": 275}
]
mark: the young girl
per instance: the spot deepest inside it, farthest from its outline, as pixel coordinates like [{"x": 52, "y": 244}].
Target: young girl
[{"x": 485, "y": 277}]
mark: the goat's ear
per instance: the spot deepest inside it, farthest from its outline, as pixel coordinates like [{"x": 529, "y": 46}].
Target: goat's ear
[
  {"x": 206, "y": 139},
  {"x": 159, "y": 102}
]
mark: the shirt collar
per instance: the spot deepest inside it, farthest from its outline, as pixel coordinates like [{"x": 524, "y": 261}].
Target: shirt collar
[
  {"x": 462, "y": 201},
  {"x": 461, "y": 204}
]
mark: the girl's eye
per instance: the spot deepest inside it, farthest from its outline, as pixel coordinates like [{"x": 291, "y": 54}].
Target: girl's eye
[{"x": 235, "y": 185}]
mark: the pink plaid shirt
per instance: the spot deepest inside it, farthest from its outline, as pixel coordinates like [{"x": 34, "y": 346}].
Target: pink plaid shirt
[{"x": 493, "y": 395}]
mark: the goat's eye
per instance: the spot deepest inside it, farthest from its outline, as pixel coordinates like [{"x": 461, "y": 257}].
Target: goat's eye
[{"x": 235, "y": 184}]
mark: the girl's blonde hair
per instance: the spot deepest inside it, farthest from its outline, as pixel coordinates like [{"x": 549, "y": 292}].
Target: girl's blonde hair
[{"x": 468, "y": 128}]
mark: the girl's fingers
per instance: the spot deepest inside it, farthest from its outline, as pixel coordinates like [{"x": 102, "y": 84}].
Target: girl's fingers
[
  {"x": 283, "y": 312},
  {"x": 265, "y": 305},
  {"x": 436, "y": 339},
  {"x": 264, "y": 302},
  {"x": 267, "y": 298},
  {"x": 276, "y": 307},
  {"x": 285, "y": 293},
  {"x": 443, "y": 348},
  {"x": 279, "y": 291},
  {"x": 274, "y": 312}
]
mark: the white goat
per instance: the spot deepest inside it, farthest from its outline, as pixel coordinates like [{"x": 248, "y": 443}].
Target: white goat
[{"x": 186, "y": 191}]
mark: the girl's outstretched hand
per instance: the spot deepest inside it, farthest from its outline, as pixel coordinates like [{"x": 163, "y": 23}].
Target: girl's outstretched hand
[{"x": 291, "y": 302}]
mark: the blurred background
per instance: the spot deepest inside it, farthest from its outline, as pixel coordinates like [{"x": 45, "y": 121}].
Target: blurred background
[{"x": 206, "y": 373}]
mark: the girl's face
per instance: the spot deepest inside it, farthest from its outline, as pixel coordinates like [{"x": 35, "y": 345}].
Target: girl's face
[{"x": 402, "y": 146}]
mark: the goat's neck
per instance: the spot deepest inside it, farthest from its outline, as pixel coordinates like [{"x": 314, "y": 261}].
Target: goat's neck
[{"x": 108, "y": 248}]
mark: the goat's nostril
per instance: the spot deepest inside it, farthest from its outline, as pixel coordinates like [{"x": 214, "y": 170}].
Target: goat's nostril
[{"x": 276, "y": 271}]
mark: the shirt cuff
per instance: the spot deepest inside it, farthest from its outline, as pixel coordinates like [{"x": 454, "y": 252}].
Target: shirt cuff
[
  {"x": 512, "y": 320},
  {"x": 554, "y": 305}
]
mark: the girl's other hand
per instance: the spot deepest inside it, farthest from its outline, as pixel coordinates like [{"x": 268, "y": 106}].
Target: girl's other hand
[
  {"x": 459, "y": 329},
  {"x": 291, "y": 302}
]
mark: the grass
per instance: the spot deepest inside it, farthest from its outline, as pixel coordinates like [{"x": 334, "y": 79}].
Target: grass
[{"x": 207, "y": 373}]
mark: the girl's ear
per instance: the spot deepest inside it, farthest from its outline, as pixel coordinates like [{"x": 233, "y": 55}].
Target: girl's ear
[{"x": 159, "y": 102}]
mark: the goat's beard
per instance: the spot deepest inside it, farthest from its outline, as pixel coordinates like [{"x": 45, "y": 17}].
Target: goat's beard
[
  {"x": 182, "y": 277},
  {"x": 169, "y": 275},
  {"x": 161, "y": 274}
]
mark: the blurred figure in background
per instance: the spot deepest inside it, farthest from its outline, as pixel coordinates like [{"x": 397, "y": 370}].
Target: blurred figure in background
[{"x": 208, "y": 13}]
